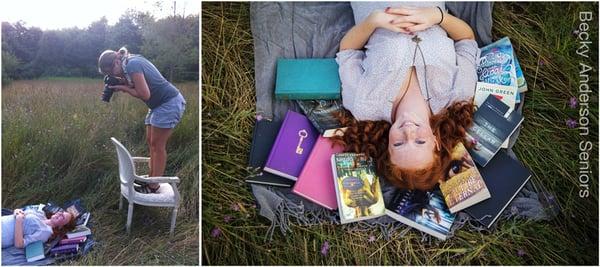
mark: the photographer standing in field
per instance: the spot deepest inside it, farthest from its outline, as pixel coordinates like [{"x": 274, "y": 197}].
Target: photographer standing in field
[{"x": 141, "y": 79}]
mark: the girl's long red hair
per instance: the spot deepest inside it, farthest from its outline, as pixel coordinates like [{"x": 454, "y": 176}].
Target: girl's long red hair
[{"x": 371, "y": 137}]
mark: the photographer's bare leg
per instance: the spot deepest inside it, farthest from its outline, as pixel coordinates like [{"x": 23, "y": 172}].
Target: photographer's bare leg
[
  {"x": 148, "y": 141},
  {"x": 158, "y": 150}
]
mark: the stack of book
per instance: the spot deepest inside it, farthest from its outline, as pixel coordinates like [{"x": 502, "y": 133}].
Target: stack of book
[{"x": 297, "y": 152}]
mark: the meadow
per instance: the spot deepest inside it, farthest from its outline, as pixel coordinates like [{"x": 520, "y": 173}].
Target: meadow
[
  {"x": 56, "y": 147},
  {"x": 545, "y": 39}
]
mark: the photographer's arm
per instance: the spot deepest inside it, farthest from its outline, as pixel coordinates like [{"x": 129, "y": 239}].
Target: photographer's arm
[{"x": 140, "y": 88}]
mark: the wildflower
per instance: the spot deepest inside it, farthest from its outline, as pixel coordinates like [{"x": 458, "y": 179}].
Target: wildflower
[
  {"x": 215, "y": 232},
  {"x": 571, "y": 123},
  {"x": 371, "y": 239},
  {"x": 325, "y": 248},
  {"x": 259, "y": 117},
  {"x": 541, "y": 62},
  {"x": 227, "y": 218},
  {"x": 575, "y": 33},
  {"x": 520, "y": 252},
  {"x": 573, "y": 102},
  {"x": 235, "y": 207}
]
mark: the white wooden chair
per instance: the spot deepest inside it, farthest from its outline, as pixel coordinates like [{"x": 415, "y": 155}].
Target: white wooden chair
[{"x": 166, "y": 196}]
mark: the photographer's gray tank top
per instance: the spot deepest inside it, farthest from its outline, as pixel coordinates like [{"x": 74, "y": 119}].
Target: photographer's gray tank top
[{"x": 161, "y": 90}]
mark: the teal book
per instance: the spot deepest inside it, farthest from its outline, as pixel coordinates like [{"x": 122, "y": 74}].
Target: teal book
[
  {"x": 34, "y": 251},
  {"x": 307, "y": 79}
]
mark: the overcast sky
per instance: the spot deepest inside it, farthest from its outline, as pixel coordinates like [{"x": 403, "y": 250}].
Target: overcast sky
[{"x": 58, "y": 14}]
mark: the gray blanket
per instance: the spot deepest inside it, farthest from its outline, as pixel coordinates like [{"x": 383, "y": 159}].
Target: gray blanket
[{"x": 314, "y": 30}]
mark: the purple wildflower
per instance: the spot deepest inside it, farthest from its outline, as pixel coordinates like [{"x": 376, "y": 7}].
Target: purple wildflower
[
  {"x": 474, "y": 141},
  {"x": 575, "y": 33},
  {"x": 541, "y": 62},
  {"x": 521, "y": 252},
  {"x": 227, "y": 218},
  {"x": 371, "y": 239},
  {"x": 573, "y": 102},
  {"x": 235, "y": 207},
  {"x": 259, "y": 117},
  {"x": 325, "y": 248},
  {"x": 215, "y": 232},
  {"x": 571, "y": 123}
]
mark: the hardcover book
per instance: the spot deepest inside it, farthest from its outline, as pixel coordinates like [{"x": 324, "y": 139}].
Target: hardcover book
[
  {"x": 490, "y": 129},
  {"x": 422, "y": 210},
  {"x": 463, "y": 185},
  {"x": 63, "y": 249},
  {"x": 75, "y": 240},
  {"x": 83, "y": 219},
  {"x": 311, "y": 78},
  {"x": 34, "y": 251},
  {"x": 357, "y": 187},
  {"x": 321, "y": 114},
  {"x": 315, "y": 180},
  {"x": 504, "y": 177},
  {"x": 506, "y": 94},
  {"x": 292, "y": 146},
  {"x": 263, "y": 137},
  {"x": 79, "y": 230}
]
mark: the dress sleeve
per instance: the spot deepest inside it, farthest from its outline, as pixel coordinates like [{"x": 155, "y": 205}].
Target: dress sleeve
[
  {"x": 467, "y": 55},
  {"x": 351, "y": 70},
  {"x": 39, "y": 231}
]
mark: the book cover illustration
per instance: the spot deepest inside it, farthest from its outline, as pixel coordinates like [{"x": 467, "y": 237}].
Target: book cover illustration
[
  {"x": 357, "y": 187},
  {"x": 292, "y": 146},
  {"x": 497, "y": 65},
  {"x": 321, "y": 114},
  {"x": 422, "y": 210},
  {"x": 463, "y": 185},
  {"x": 490, "y": 129},
  {"x": 310, "y": 78}
]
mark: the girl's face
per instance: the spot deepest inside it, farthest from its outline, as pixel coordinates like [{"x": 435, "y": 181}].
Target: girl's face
[
  {"x": 411, "y": 141},
  {"x": 61, "y": 218}
]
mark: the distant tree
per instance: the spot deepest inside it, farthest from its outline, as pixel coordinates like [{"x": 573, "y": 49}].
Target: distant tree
[
  {"x": 10, "y": 64},
  {"x": 126, "y": 32}
]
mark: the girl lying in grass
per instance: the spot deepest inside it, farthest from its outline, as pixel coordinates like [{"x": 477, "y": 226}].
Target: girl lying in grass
[
  {"x": 23, "y": 228},
  {"x": 408, "y": 77}
]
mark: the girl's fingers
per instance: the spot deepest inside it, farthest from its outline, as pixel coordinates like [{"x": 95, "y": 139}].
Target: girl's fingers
[
  {"x": 416, "y": 28},
  {"x": 400, "y": 11},
  {"x": 404, "y": 24}
]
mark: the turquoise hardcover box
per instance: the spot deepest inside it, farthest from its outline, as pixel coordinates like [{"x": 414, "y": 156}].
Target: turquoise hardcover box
[{"x": 305, "y": 79}]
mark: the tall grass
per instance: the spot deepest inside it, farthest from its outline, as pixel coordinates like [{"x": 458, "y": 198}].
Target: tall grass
[
  {"x": 543, "y": 40},
  {"x": 56, "y": 147}
]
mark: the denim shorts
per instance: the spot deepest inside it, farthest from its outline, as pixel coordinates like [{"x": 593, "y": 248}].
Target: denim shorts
[{"x": 168, "y": 114}]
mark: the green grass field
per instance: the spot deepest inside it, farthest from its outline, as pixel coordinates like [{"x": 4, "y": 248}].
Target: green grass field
[
  {"x": 56, "y": 147},
  {"x": 546, "y": 47}
]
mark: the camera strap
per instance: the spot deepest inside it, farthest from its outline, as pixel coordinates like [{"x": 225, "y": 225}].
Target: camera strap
[{"x": 124, "y": 62}]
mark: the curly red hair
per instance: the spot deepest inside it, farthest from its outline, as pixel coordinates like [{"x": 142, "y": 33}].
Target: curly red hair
[{"x": 371, "y": 137}]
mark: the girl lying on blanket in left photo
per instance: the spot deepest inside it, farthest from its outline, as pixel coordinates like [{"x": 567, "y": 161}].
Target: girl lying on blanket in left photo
[{"x": 25, "y": 227}]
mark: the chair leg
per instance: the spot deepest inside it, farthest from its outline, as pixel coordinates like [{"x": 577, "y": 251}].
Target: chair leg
[
  {"x": 173, "y": 218},
  {"x": 120, "y": 202},
  {"x": 129, "y": 217}
]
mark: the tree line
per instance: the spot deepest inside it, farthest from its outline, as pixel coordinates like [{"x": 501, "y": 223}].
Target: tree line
[{"x": 170, "y": 43}]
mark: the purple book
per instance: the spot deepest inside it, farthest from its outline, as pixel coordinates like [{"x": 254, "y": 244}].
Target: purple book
[
  {"x": 292, "y": 146},
  {"x": 65, "y": 249}
]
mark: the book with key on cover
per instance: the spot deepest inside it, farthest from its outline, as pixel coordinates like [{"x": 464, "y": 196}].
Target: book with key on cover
[
  {"x": 293, "y": 145},
  {"x": 310, "y": 78},
  {"x": 315, "y": 180},
  {"x": 263, "y": 137}
]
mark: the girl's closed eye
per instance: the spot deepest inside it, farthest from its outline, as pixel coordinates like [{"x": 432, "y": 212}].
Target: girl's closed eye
[
  {"x": 398, "y": 144},
  {"x": 420, "y": 142}
]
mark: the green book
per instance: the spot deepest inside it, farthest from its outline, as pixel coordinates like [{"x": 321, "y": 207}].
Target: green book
[
  {"x": 307, "y": 79},
  {"x": 34, "y": 251}
]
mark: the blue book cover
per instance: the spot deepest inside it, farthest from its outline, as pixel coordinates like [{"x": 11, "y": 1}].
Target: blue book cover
[
  {"x": 425, "y": 211},
  {"x": 34, "y": 251},
  {"x": 306, "y": 79}
]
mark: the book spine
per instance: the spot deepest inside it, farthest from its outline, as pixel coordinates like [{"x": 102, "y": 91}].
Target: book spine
[{"x": 306, "y": 96}]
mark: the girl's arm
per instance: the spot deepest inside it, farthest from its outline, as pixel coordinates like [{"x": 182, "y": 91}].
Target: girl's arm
[
  {"x": 19, "y": 242},
  {"x": 140, "y": 88},
  {"x": 424, "y": 18},
  {"x": 357, "y": 37}
]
